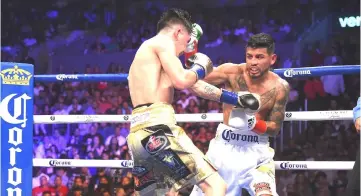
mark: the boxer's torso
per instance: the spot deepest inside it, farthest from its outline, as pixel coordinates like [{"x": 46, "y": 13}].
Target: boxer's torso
[
  {"x": 148, "y": 83},
  {"x": 267, "y": 89}
]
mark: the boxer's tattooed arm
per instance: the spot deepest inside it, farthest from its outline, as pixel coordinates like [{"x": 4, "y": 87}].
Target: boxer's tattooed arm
[
  {"x": 242, "y": 85},
  {"x": 206, "y": 91},
  {"x": 267, "y": 96},
  {"x": 277, "y": 114}
]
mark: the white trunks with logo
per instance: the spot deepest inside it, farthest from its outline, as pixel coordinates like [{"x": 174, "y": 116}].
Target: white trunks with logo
[
  {"x": 237, "y": 137},
  {"x": 243, "y": 159}
]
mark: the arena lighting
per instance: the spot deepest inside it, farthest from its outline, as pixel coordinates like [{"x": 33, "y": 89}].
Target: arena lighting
[{"x": 347, "y": 22}]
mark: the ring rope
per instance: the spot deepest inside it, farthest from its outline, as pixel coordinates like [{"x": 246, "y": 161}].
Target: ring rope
[
  {"x": 280, "y": 165},
  {"x": 284, "y": 73},
  {"x": 205, "y": 117}
]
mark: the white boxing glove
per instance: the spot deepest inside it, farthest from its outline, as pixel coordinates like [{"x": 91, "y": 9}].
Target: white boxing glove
[{"x": 256, "y": 125}]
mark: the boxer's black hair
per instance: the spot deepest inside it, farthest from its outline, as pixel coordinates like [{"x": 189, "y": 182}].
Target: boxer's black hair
[
  {"x": 175, "y": 16},
  {"x": 262, "y": 40}
]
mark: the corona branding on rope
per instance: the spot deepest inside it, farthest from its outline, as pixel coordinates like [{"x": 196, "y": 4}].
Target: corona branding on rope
[{"x": 16, "y": 112}]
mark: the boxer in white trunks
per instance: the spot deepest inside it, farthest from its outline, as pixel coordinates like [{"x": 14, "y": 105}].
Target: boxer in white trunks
[
  {"x": 240, "y": 151},
  {"x": 165, "y": 159}
]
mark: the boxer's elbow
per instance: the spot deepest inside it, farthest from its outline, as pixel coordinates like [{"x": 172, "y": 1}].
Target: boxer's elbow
[
  {"x": 273, "y": 132},
  {"x": 179, "y": 85},
  {"x": 185, "y": 81},
  {"x": 273, "y": 129}
]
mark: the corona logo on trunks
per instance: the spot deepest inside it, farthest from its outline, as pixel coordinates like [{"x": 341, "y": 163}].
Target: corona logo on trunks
[
  {"x": 15, "y": 76},
  {"x": 229, "y": 135},
  {"x": 289, "y": 73},
  {"x": 288, "y": 165},
  {"x": 155, "y": 142},
  {"x": 16, "y": 117}
]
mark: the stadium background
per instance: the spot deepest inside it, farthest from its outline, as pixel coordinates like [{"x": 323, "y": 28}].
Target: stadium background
[{"x": 101, "y": 36}]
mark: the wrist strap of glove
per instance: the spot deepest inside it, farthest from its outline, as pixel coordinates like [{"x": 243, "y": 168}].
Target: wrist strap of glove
[
  {"x": 260, "y": 127},
  {"x": 229, "y": 97},
  {"x": 199, "y": 70}
]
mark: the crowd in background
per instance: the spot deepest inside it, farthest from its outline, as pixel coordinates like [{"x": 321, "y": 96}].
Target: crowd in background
[{"x": 123, "y": 29}]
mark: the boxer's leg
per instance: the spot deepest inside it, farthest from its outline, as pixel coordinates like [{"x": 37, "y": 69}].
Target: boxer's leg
[
  {"x": 204, "y": 174},
  {"x": 145, "y": 183},
  {"x": 262, "y": 181},
  {"x": 212, "y": 152},
  {"x": 227, "y": 159}
]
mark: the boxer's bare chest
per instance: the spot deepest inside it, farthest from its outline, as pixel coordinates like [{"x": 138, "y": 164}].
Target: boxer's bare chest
[{"x": 266, "y": 90}]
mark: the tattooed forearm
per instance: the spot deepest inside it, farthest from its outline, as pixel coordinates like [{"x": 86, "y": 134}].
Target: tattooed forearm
[
  {"x": 206, "y": 91},
  {"x": 277, "y": 114}
]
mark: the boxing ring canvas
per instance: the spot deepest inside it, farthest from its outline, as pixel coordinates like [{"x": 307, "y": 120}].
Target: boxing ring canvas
[{"x": 17, "y": 119}]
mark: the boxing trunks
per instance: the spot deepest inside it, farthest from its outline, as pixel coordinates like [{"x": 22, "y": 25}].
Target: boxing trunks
[
  {"x": 243, "y": 159},
  {"x": 164, "y": 156}
]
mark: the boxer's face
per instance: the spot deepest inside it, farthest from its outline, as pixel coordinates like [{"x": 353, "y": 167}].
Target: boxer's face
[
  {"x": 182, "y": 36},
  {"x": 259, "y": 61}
]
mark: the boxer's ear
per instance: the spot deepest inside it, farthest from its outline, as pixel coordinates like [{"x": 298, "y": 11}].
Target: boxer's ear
[
  {"x": 177, "y": 34},
  {"x": 273, "y": 59}
]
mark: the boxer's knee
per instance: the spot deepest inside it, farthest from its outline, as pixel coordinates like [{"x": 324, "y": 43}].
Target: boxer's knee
[
  {"x": 172, "y": 193},
  {"x": 213, "y": 185}
]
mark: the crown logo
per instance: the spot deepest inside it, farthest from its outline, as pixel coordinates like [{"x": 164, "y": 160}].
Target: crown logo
[{"x": 15, "y": 76}]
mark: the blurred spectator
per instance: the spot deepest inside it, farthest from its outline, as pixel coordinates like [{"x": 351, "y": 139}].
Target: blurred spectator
[
  {"x": 27, "y": 59},
  {"x": 44, "y": 186},
  {"x": 58, "y": 140},
  {"x": 96, "y": 147},
  {"x": 120, "y": 139},
  {"x": 99, "y": 182},
  {"x": 334, "y": 85},
  {"x": 317, "y": 56},
  {"x": 320, "y": 185},
  {"x": 302, "y": 185},
  {"x": 60, "y": 173},
  {"x": 59, "y": 188},
  {"x": 314, "y": 92},
  {"x": 98, "y": 46}
]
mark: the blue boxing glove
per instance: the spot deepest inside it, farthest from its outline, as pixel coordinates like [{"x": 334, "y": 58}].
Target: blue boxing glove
[
  {"x": 250, "y": 102},
  {"x": 200, "y": 64}
]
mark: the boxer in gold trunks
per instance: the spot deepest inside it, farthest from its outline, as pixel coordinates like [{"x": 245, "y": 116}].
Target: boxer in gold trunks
[{"x": 164, "y": 157}]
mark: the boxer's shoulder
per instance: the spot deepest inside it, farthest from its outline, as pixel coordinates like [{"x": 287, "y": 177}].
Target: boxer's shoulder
[
  {"x": 282, "y": 82},
  {"x": 279, "y": 81},
  {"x": 283, "y": 85},
  {"x": 159, "y": 44},
  {"x": 230, "y": 68}
]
